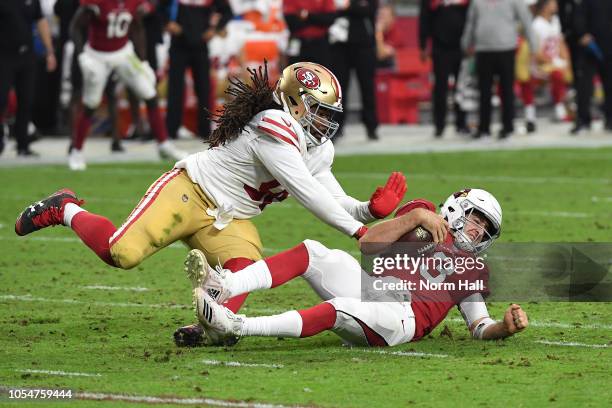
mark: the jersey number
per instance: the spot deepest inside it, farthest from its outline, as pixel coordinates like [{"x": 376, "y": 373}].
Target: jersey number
[
  {"x": 264, "y": 195},
  {"x": 118, "y": 24},
  {"x": 439, "y": 258}
]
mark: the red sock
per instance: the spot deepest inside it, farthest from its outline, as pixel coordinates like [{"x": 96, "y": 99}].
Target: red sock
[
  {"x": 236, "y": 264},
  {"x": 317, "y": 319},
  {"x": 527, "y": 92},
  {"x": 288, "y": 264},
  {"x": 558, "y": 86},
  {"x": 81, "y": 129},
  {"x": 157, "y": 124},
  {"x": 95, "y": 231}
]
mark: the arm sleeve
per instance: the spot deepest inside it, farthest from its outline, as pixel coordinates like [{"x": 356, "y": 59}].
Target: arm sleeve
[
  {"x": 473, "y": 308},
  {"x": 467, "y": 40},
  {"x": 359, "y": 210},
  {"x": 424, "y": 24},
  {"x": 285, "y": 163}
]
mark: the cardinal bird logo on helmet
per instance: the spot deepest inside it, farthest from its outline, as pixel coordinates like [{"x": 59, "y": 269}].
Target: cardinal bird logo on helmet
[{"x": 308, "y": 78}]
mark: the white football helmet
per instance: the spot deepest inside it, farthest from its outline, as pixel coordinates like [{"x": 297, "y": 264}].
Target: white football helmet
[{"x": 460, "y": 205}]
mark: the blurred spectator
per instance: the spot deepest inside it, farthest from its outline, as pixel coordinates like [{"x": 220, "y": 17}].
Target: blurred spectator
[
  {"x": 552, "y": 62},
  {"x": 354, "y": 47},
  {"x": 17, "y": 63},
  {"x": 491, "y": 31},
  {"x": 594, "y": 31},
  {"x": 192, "y": 23},
  {"x": 443, "y": 21},
  {"x": 389, "y": 36},
  {"x": 309, "y": 22}
]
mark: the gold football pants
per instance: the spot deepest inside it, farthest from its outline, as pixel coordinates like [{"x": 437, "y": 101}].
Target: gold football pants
[{"x": 172, "y": 209}]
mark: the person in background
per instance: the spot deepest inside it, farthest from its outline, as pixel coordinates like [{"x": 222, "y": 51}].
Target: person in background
[
  {"x": 443, "y": 22},
  {"x": 308, "y": 23},
  {"x": 389, "y": 36},
  {"x": 491, "y": 32},
  {"x": 17, "y": 63},
  {"x": 594, "y": 33},
  {"x": 192, "y": 23},
  {"x": 354, "y": 47},
  {"x": 552, "y": 62}
]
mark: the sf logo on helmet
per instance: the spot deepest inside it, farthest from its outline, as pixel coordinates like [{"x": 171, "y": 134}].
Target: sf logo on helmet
[{"x": 308, "y": 78}]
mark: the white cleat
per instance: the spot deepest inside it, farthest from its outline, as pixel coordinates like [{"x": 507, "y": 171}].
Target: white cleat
[
  {"x": 76, "y": 160},
  {"x": 220, "y": 323},
  {"x": 213, "y": 280},
  {"x": 167, "y": 150}
]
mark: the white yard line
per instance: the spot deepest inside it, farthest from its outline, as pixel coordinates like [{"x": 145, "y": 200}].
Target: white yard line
[
  {"x": 402, "y": 353},
  {"x": 28, "y": 298},
  {"x": 61, "y": 373},
  {"x": 571, "y": 344},
  {"x": 555, "y": 325},
  {"x": 126, "y": 288},
  {"x": 268, "y": 311},
  {"x": 597, "y": 199},
  {"x": 239, "y": 364}
]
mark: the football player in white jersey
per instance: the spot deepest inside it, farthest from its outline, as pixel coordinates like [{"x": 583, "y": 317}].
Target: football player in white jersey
[
  {"x": 392, "y": 317},
  {"x": 271, "y": 141}
]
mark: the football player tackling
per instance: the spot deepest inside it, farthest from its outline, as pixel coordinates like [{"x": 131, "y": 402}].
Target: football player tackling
[
  {"x": 474, "y": 218},
  {"x": 271, "y": 142}
]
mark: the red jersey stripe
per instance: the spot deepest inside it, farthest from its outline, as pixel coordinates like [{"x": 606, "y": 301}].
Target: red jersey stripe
[
  {"x": 282, "y": 126},
  {"x": 278, "y": 135}
]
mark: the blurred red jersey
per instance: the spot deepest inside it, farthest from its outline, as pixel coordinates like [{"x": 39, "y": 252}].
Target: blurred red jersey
[{"x": 109, "y": 28}]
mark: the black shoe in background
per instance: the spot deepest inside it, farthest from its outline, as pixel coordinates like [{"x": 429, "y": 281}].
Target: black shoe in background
[
  {"x": 580, "y": 129},
  {"x": 438, "y": 133},
  {"x": 372, "y": 135},
  {"x": 531, "y": 127},
  {"x": 463, "y": 131},
  {"x": 27, "y": 153},
  {"x": 481, "y": 135},
  {"x": 504, "y": 134},
  {"x": 117, "y": 147}
]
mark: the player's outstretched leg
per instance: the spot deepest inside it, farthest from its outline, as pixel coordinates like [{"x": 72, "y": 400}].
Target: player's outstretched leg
[
  {"x": 221, "y": 284},
  {"x": 64, "y": 208},
  {"x": 223, "y": 324}
]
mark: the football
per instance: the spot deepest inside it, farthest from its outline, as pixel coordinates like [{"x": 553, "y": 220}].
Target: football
[{"x": 419, "y": 234}]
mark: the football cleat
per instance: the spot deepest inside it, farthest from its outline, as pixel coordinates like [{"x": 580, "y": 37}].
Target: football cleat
[
  {"x": 219, "y": 322},
  {"x": 45, "y": 213},
  {"x": 213, "y": 280},
  {"x": 189, "y": 336},
  {"x": 167, "y": 150}
]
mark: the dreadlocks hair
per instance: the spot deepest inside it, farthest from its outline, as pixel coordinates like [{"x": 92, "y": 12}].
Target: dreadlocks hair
[{"x": 249, "y": 99}]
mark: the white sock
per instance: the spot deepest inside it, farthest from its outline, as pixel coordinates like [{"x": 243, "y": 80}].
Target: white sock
[
  {"x": 560, "y": 111},
  {"x": 70, "y": 210},
  {"x": 253, "y": 277},
  {"x": 288, "y": 324},
  {"x": 530, "y": 113}
]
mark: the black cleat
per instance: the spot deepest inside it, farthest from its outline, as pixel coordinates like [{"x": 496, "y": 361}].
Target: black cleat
[
  {"x": 190, "y": 336},
  {"x": 45, "y": 213}
]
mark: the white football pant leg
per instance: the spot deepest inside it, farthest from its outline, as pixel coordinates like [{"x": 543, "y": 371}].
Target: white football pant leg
[
  {"x": 331, "y": 272},
  {"x": 95, "y": 74},
  {"x": 393, "y": 321},
  {"x": 137, "y": 75}
]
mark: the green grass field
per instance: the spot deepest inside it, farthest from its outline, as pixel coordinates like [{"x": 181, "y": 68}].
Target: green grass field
[{"x": 51, "y": 319}]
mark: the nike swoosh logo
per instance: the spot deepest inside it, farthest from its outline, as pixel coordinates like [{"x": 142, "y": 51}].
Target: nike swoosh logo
[{"x": 286, "y": 123}]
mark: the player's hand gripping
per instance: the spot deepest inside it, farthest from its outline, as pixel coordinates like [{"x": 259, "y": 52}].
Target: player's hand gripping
[
  {"x": 515, "y": 319},
  {"x": 432, "y": 222},
  {"x": 386, "y": 199}
]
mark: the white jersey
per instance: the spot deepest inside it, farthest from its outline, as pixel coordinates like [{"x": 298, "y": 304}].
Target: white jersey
[
  {"x": 268, "y": 161},
  {"x": 550, "y": 41}
]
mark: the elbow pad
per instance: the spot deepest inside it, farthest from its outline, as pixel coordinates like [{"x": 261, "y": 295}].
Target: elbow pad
[{"x": 479, "y": 330}]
